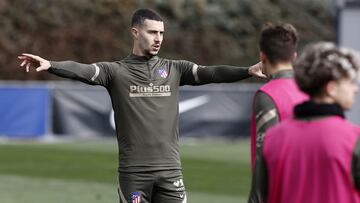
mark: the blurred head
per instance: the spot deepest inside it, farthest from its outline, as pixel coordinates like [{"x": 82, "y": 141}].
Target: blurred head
[
  {"x": 278, "y": 43},
  {"x": 147, "y": 28},
  {"x": 328, "y": 74}
]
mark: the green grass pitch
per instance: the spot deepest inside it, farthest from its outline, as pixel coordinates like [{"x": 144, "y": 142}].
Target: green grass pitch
[{"x": 85, "y": 171}]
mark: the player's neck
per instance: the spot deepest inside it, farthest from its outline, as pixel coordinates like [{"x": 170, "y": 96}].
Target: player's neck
[
  {"x": 137, "y": 51},
  {"x": 323, "y": 99},
  {"x": 140, "y": 53},
  {"x": 272, "y": 69}
]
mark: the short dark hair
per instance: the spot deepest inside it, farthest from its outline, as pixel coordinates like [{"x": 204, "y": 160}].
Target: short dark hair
[
  {"x": 278, "y": 42},
  {"x": 141, "y": 15},
  {"x": 323, "y": 62}
]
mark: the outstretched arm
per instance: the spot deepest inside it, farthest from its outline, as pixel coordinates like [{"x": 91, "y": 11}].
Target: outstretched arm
[
  {"x": 90, "y": 74},
  {"x": 192, "y": 74},
  {"x": 226, "y": 74}
]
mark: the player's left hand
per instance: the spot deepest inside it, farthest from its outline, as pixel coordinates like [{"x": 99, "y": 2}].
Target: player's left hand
[{"x": 257, "y": 70}]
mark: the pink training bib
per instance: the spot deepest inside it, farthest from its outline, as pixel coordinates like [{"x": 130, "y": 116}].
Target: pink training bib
[
  {"x": 310, "y": 161},
  {"x": 285, "y": 95}
]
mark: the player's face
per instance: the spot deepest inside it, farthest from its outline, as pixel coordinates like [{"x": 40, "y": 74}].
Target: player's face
[
  {"x": 150, "y": 37},
  {"x": 344, "y": 92}
]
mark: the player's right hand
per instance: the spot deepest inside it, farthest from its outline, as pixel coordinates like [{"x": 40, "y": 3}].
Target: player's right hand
[
  {"x": 257, "y": 70},
  {"x": 30, "y": 60}
]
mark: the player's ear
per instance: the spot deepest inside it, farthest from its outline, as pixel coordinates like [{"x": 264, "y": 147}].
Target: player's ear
[
  {"x": 262, "y": 57},
  {"x": 331, "y": 88},
  {"x": 135, "y": 32}
]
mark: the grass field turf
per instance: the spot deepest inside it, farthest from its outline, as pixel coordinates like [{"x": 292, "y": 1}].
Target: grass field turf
[{"x": 214, "y": 171}]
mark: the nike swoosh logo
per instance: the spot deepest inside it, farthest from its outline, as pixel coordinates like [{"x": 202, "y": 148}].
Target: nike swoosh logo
[
  {"x": 184, "y": 106},
  {"x": 189, "y": 104}
]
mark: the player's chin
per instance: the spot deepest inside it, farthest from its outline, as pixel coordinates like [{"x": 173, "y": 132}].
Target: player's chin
[
  {"x": 153, "y": 52},
  {"x": 346, "y": 106}
]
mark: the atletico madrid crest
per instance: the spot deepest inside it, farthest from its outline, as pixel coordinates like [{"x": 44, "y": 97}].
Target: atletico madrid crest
[
  {"x": 135, "y": 197},
  {"x": 162, "y": 72}
]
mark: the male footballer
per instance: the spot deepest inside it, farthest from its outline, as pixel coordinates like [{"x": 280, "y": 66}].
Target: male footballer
[
  {"x": 274, "y": 101},
  {"x": 144, "y": 91}
]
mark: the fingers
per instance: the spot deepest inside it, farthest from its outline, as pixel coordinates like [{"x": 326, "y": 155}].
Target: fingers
[
  {"x": 27, "y": 67},
  {"x": 22, "y": 57},
  {"x": 28, "y": 55},
  {"x": 262, "y": 75},
  {"x": 257, "y": 70},
  {"x": 26, "y": 63},
  {"x": 41, "y": 68},
  {"x": 259, "y": 65},
  {"x": 23, "y": 63},
  {"x": 30, "y": 60},
  {"x": 32, "y": 56}
]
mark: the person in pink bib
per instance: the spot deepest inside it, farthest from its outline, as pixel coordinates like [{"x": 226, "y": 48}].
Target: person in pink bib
[
  {"x": 314, "y": 157},
  {"x": 274, "y": 101}
]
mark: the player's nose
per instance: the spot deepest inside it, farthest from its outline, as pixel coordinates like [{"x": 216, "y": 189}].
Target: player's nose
[{"x": 158, "y": 37}]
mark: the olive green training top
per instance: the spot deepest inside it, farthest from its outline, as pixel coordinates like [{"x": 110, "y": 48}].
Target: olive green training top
[{"x": 144, "y": 92}]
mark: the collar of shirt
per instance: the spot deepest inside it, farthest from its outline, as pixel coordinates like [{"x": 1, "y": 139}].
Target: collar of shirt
[
  {"x": 309, "y": 109},
  {"x": 282, "y": 74},
  {"x": 134, "y": 57}
]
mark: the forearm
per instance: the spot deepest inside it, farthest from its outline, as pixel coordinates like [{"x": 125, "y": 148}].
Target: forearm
[
  {"x": 221, "y": 74},
  {"x": 74, "y": 70}
]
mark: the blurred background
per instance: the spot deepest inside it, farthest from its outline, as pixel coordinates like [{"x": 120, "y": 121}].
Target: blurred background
[
  {"x": 57, "y": 138},
  {"x": 203, "y": 31}
]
